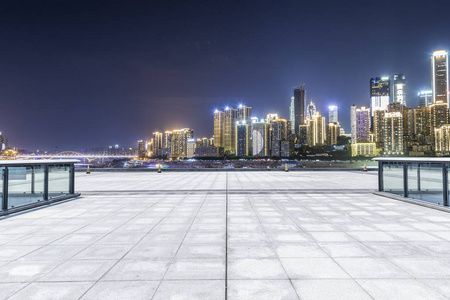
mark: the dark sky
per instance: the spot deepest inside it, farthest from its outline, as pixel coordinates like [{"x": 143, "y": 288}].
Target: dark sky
[{"x": 75, "y": 74}]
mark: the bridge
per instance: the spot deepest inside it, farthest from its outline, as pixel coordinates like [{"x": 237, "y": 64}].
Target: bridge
[{"x": 72, "y": 155}]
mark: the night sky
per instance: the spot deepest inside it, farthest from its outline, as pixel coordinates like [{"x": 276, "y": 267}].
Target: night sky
[{"x": 78, "y": 74}]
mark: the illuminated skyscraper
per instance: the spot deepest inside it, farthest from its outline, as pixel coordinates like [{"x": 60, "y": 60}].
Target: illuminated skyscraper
[
  {"x": 316, "y": 132},
  {"x": 439, "y": 72},
  {"x": 280, "y": 131},
  {"x": 229, "y": 137},
  {"x": 167, "y": 144},
  {"x": 191, "y": 145},
  {"x": 379, "y": 93},
  {"x": 393, "y": 133},
  {"x": 303, "y": 134},
  {"x": 157, "y": 143},
  {"x": 242, "y": 139},
  {"x": 399, "y": 89},
  {"x": 438, "y": 115},
  {"x": 244, "y": 113},
  {"x": 299, "y": 107},
  {"x": 360, "y": 124},
  {"x": 310, "y": 110},
  {"x": 260, "y": 138},
  {"x": 333, "y": 130},
  {"x": 219, "y": 128},
  {"x": 292, "y": 113},
  {"x": 442, "y": 139},
  {"x": 141, "y": 149},
  {"x": 333, "y": 114},
  {"x": 425, "y": 98},
  {"x": 378, "y": 128},
  {"x": 225, "y": 126},
  {"x": 422, "y": 125}
]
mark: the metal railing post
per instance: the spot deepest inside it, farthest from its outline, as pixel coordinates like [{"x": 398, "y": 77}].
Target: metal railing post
[
  {"x": 46, "y": 182},
  {"x": 405, "y": 180},
  {"x": 445, "y": 184},
  {"x": 380, "y": 176},
  {"x": 5, "y": 188},
  {"x": 32, "y": 180},
  {"x": 418, "y": 177},
  {"x": 72, "y": 179}
]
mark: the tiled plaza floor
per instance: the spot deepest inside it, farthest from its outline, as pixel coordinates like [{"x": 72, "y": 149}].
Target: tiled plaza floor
[{"x": 217, "y": 235}]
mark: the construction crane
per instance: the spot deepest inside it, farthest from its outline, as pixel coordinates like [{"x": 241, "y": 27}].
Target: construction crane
[{"x": 299, "y": 86}]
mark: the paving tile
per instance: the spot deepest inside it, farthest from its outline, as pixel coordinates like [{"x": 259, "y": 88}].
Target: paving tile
[
  {"x": 124, "y": 290},
  {"x": 329, "y": 289},
  {"x": 368, "y": 267},
  {"x": 53, "y": 291},
  {"x": 261, "y": 268},
  {"x": 196, "y": 269},
  {"x": 394, "y": 289},
  {"x": 104, "y": 252},
  {"x": 191, "y": 289},
  {"x": 25, "y": 271},
  {"x": 303, "y": 268},
  {"x": 138, "y": 270},
  {"x": 79, "y": 270},
  {"x": 424, "y": 267},
  {"x": 9, "y": 289},
  {"x": 261, "y": 290}
]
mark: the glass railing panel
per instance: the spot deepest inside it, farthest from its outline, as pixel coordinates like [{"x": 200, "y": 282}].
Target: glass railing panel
[
  {"x": 25, "y": 185},
  {"x": 58, "y": 180},
  {"x": 425, "y": 182},
  {"x": 393, "y": 178},
  {"x": 1, "y": 183}
]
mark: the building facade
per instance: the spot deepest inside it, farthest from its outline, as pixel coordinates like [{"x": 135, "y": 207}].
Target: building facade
[
  {"x": 380, "y": 90},
  {"x": 439, "y": 72}
]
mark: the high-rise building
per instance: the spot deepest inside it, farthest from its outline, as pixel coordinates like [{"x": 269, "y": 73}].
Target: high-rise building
[
  {"x": 399, "y": 94},
  {"x": 380, "y": 89},
  {"x": 299, "y": 107},
  {"x": 439, "y": 72},
  {"x": 310, "y": 110},
  {"x": 425, "y": 98},
  {"x": 157, "y": 143},
  {"x": 286, "y": 148},
  {"x": 179, "y": 142},
  {"x": 316, "y": 132},
  {"x": 141, "y": 149},
  {"x": 438, "y": 115},
  {"x": 219, "y": 128},
  {"x": 333, "y": 114},
  {"x": 167, "y": 144},
  {"x": 260, "y": 138},
  {"x": 225, "y": 126},
  {"x": 292, "y": 113},
  {"x": 243, "y": 139},
  {"x": 229, "y": 137},
  {"x": 378, "y": 128},
  {"x": 360, "y": 124},
  {"x": 422, "y": 125},
  {"x": 303, "y": 134},
  {"x": 333, "y": 130},
  {"x": 191, "y": 146},
  {"x": 393, "y": 133},
  {"x": 442, "y": 139},
  {"x": 244, "y": 113},
  {"x": 280, "y": 131}
]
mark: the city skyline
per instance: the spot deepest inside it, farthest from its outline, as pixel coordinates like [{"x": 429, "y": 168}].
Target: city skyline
[{"x": 124, "y": 71}]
